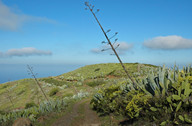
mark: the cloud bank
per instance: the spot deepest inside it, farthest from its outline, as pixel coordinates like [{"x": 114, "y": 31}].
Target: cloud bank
[
  {"x": 168, "y": 43},
  {"x": 27, "y": 51},
  {"x": 122, "y": 48},
  {"x": 12, "y": 21},
  {"x": 94, "y": 50}
]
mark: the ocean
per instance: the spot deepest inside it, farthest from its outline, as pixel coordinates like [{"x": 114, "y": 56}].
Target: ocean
[{"x": 12, "y": 72}]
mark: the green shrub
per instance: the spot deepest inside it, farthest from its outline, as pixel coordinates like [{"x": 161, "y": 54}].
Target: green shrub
[
  {"x": 54, "y": 81},
  {"x": 136, "y": 101},
  {"x": 107, "y": 101},
  {"x": 4, "y": 86},
  {"x": 163, "y": 97},
  {"x": 53, "y": 91},
  {"x": 68, "y": 95},
  {"x": 2, "y": 112},
  {"x": 30, "y": 104},
  {"x": 34, "y": 112},
  {"x": 95, "y": 83},
  {"x": 21, "y": 92}
]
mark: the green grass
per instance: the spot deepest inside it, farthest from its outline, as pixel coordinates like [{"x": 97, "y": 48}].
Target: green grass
[
  {"x": 95, "y": 83},
  {"x": 53, "y": 91},
  {"x": 102, "y": 71},
  {"x": 88, "y": 78},
  {"x": 21, "y": 92},
  {"x": 52, "y": 117},
  {"x": 26, "y": 90},
  {"x": 53, "y": 81}
]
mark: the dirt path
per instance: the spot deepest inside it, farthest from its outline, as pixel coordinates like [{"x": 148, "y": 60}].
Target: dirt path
[
  {"x": 80, "y": 115},
  {"x": 91, "y": 118}
]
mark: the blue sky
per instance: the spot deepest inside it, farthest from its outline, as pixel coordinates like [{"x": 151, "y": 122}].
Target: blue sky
[{"x": 63, "y": 32}]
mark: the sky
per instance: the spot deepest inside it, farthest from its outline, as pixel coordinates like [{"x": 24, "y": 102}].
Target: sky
[{"x": 63, "y": 32}]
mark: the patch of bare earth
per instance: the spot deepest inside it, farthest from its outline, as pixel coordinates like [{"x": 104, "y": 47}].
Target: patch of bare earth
[
  {"x": 91, "y": 118},
  {"x": 80, "y": 115}
]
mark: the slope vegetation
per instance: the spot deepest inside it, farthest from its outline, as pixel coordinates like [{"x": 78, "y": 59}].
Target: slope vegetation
[{"x": 68, "y": 87}]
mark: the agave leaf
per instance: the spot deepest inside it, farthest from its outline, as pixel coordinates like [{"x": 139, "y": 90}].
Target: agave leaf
[
  {"x": 162, "y": 74},
  {"x": 179, "y": 91},
  {"x": 166, "y": 84},
  {"x": 151, "y": 81},
  {"x": 187, "y": 90},
  {"x": 163, "y": 92},
  {"x": 183, "y": 85},
  {"x": 147, "y": 92},
  {"x": 157, "y": 92},
  {"x": 162, "y": 85}
]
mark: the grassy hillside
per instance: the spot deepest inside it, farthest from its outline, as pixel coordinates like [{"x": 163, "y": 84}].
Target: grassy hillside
[
  {"x": 85, "y": 81},
  {"x": 105, "y": 70},
  {"x": 24, "y": 91},
  {"x": 161, "y": 97}
]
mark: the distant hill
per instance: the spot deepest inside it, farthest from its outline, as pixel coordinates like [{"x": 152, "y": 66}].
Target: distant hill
[
  {"x": 24, "y": 91},
  {"x": 104, "y": 70}
]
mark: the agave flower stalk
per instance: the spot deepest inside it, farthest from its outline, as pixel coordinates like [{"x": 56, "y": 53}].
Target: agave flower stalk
[
  {"x": 10, "y": 97},
  {"x": 37, "y": 82},
  {"x": 90, "y": 7}
]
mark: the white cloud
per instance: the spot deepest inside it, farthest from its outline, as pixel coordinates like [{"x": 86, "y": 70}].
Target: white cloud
[
  {"x": 95, "y": 50},
  {"x": 12, "y": 21},
  {"x": 121, "y": 49},
  {"x": 124, "y": 46},
  {"x": 168, "y": 43},
  {"x": 27, "y": 51},
  {"x": 1, "y": 54}
]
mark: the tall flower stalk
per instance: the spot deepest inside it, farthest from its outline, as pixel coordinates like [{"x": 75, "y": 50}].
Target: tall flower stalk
[
  {"x": 37, "y": 82},
  {"x": 91, "y": 8}
]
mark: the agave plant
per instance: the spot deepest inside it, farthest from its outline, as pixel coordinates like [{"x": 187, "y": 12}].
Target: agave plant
[
  {"x": 33, "y": 112},
  {"x": 157, "y": 84},
  {"x": 80, "y": 95}
]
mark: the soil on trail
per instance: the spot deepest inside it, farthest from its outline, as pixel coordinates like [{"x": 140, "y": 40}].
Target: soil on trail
[{"x": 80, "y": 115}]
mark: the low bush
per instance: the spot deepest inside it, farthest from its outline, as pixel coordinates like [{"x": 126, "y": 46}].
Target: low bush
[
  {"x": 30, "y": 104},
  {"x": 21, "y": 92},
  {"x": 53, "y": 91},
  {"x": 34, "y": 112},
  {"x": 2, "y": 112},
  {"x": 54, "y": 81},
  {"x": 68, "y": 95},
  {"x": 163, "y": 98},
  {"x": 95, "y": 83}
]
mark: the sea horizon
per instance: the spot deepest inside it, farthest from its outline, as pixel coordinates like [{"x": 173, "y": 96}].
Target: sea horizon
[{"x": 13, "y": 72}]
